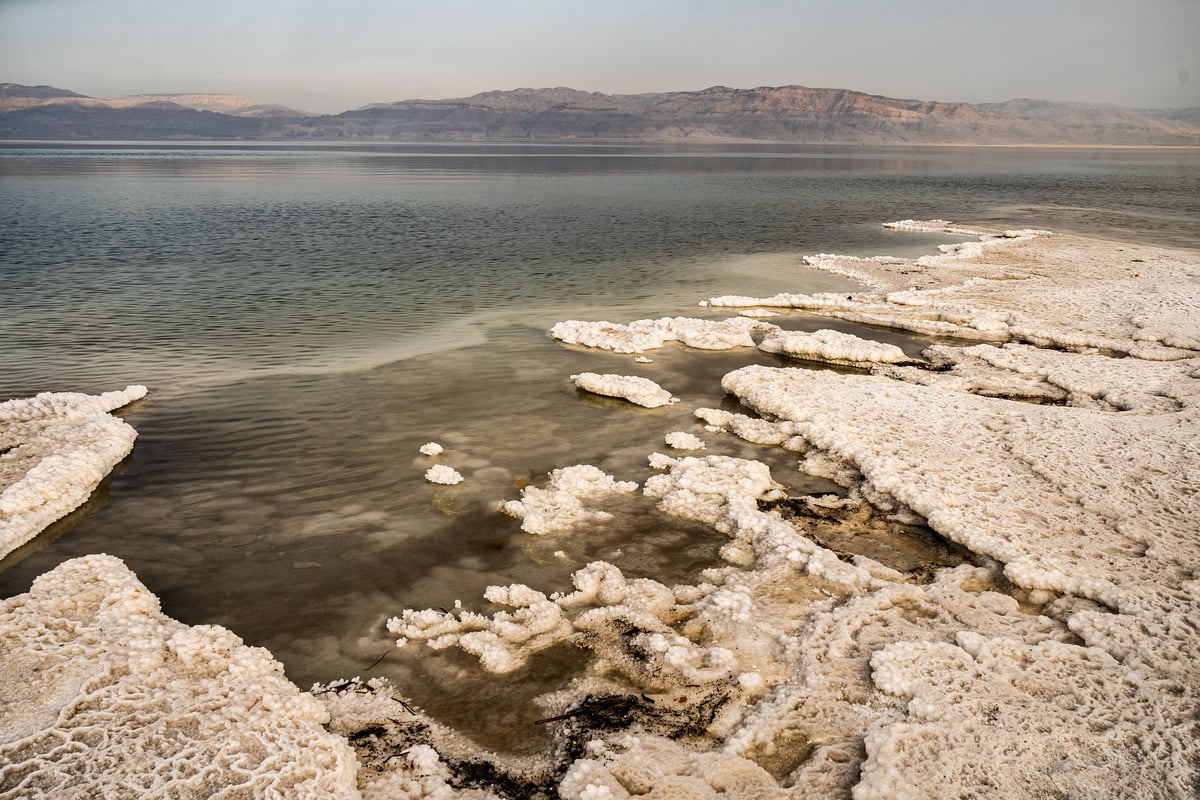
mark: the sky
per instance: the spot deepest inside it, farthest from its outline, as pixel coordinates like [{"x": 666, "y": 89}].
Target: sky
[{"x": 332, "y": 55}]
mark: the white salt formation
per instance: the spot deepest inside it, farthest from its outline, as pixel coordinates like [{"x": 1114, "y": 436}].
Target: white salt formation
[
  {"x": 1056, "y": 655},
  {"x": 682, "y": 440},
  {"x": 639, "y": 391},
  {"x": 104, "y": 696},
  {"x": 431, "y": 449},
  {"x": 832, "y": 347},
  {"x": 950, "y": 681},
  {"x": 650, "y": 334},
  {"x": 55, "y": 449},
  {"x": 559, "y": 507},
  {"x": 442, "y": 474},
  {"x": 1022, "y": 286}
]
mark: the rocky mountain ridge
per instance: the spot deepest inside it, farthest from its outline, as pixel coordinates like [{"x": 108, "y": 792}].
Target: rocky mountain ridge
[{"x": 718, "y": 113}]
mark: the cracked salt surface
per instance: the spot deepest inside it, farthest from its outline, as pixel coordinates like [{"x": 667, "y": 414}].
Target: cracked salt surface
[{"x": 1064, "y": 659}]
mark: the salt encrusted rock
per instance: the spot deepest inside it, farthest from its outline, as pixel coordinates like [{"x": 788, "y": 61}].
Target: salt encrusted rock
[
  {"x": 831, "y": 347},
  {"x": 559, "y": 506},
  {"x": 55, "y": 449},
  {"x": 431, "y": 449},
  {"x": 640, "y": 391},
  {"x": 442, "y": 474},
  {"x": 682, "y": 440},
  {"x": 104, "y": 696}
]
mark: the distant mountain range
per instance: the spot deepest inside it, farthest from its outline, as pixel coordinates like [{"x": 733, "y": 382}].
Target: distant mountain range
[{"x": 719, "y": 113}]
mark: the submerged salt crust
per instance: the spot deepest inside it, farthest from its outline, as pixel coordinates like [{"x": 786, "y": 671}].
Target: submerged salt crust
[
  {"x": 104, "y": 696},
  {"x": 55, "y": 449}
]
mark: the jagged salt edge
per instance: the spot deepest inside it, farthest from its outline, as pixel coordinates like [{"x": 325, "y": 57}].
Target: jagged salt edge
[{"x": 73, "y": 443}]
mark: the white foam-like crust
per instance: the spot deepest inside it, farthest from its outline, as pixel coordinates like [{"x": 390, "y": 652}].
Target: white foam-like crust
[
  {"x": 650, "y": 334},
  {"x": 444, "y": 475},
  {"x": 431, "y": 449},
  {"x": 559, "y": 506},
  {"x": 682, "y": 440},
  {"x": 639, "y": 391},
  {"x": 55, "y": 449},
  {"x": 832, "y": 347},
  {"x": 105, "y": 696}
]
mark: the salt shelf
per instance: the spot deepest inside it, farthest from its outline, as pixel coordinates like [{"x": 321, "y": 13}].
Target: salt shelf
[
  {"x": 55, "y": 449},
  {"x": 650, "y": 334},
  {"x": 832, "y": 347},
  {"x": 105, "y": 696},
  {"x": 1026, "y": 286},
  {"x": 639, "y": 391}
]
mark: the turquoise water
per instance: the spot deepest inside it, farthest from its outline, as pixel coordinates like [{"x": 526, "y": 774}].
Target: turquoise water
[{"x": 307, "y": 318}]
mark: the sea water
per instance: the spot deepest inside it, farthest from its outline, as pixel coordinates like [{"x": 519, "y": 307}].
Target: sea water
[{"x": 307, "y": 318}]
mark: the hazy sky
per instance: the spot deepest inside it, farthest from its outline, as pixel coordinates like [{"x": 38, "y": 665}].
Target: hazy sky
[{"x": 331, "y": 55}]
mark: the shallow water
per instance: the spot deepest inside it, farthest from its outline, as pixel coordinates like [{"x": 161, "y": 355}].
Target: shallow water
[{"x": 306, "y": 319}]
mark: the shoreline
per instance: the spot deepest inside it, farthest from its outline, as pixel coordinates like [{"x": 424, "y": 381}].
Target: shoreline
[{"x": 797, "y": 669}]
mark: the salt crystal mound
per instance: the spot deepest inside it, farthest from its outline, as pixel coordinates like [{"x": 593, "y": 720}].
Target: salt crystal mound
[
  {"x": 682, "y": 440},
  {"x": 55, "y": 449},
  {"x": 559, "y": 506},
  {"x": 831, "y": 347},
  {"x": 1150, "y": 310},
  {"x": 444, "y": 475},
  {"x": 105, "y": 696},
  {"x": 650, "y": 334},
  {"x": 639, "y": 391},
  {"x": 431, "y": 449}
]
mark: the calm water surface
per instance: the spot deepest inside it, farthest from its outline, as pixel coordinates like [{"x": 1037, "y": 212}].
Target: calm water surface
[{"x": 307, "y": 318}]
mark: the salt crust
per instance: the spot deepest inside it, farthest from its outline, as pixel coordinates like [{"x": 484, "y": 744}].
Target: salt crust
[
  {"x": 55, "y": 449},
  {"x": 650, "y": 334},
  {"x": 832, "y": 347},
  {"x": 559, "y": 507},
  {"x": 431, "y": 449},
  {"x": 1150, "y": 305},
  {"x": 639, "y": 391},
  {"x": 104, "y": 696},
  {"x": 442, "y": 474}
]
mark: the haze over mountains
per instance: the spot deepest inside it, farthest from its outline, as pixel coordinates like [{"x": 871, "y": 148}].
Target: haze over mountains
[{"x": 719, "y": 113}]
